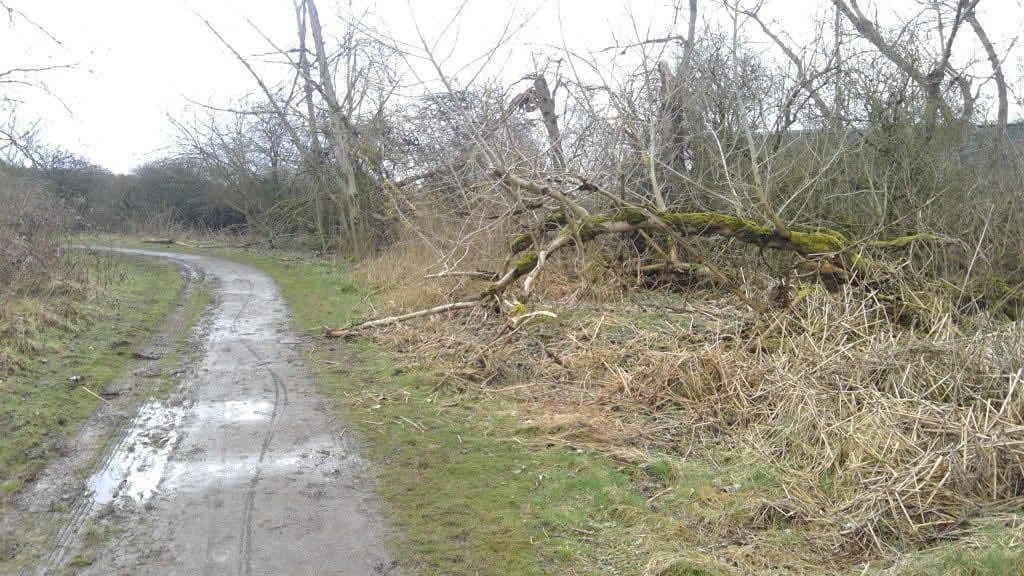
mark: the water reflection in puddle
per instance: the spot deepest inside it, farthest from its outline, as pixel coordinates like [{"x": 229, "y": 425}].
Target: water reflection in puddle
[
  {"x": 318, "y": 456},
  {"x": 190, "y": 476},
  {"x": 138, "y": 461},
  {"x": 233, "y": 411}
]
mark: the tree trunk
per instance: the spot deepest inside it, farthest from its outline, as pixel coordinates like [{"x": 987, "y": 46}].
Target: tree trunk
[{"x": 546, "y": 103}]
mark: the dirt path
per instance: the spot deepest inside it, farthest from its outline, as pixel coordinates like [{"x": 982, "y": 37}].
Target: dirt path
[{"x": 248, "y": 474}]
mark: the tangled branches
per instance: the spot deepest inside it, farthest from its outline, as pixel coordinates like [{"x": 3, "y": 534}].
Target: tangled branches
[{"x": 827, "y": 254}]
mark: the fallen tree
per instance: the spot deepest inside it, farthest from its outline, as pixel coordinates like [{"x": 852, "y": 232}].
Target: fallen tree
[{"x": 826, "y": 255}]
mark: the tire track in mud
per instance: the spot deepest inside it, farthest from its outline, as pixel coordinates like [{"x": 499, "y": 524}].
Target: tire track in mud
[
  {"x": 85, "y": 503},
  {"x": 280, "y": 402},
  {"x": 259, "y": 481}
]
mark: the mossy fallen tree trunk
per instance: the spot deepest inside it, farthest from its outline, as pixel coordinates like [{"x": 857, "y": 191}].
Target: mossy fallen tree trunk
[
  {"x": 826, "y": 253},
  {"x": 691, "y": 224}
]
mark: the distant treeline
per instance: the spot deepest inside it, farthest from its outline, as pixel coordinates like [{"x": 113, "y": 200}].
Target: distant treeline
[{"x": 160, "y": 192}]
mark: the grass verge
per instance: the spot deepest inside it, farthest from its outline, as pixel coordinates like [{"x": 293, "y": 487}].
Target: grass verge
[
  {"x": 55, "y": 347},
  {"x": 466, "y": 494}
]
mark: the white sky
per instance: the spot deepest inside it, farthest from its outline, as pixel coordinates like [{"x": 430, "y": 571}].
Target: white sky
[{"x": 139, "y": 60}]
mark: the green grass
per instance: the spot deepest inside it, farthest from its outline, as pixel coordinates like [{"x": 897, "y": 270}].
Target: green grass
[
  {"x": 999, "y": 555},
  {"x": 88, "y": 335},
  {"x": 471, "y": 490},
  {"x": 468, "y": 493}
]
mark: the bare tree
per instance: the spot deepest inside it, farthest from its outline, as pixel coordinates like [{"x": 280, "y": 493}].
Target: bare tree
[
  {"x": 18, "y": 141},
  {"x": 1002, "y": 115},
  {"x": 929, "y": 79}
]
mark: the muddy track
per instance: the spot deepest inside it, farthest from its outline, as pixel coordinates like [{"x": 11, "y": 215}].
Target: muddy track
[
  {"x": 246, "y": 472},
  {"x": 118, "y": 461}
]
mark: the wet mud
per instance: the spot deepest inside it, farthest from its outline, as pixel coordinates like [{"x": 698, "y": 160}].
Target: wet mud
[{"x": 243, "y": 470}]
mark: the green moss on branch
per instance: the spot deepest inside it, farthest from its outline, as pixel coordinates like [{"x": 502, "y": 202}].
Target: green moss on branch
[
  {"x": 717, "y": 224},
  {"x": 818, "y": 242},
  {"x": 592, "y": 228},
  {"x": 631, "y": 216},
  {"x": 712, "y": 221},
  {"x": 526, "y": 263},
  {"x": 555, "y": 219},
  {"x": 521, "y": 242},
  {"x": 830, "y": 252}
]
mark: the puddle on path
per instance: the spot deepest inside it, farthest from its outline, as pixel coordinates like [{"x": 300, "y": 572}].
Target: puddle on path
[
  {"x": 140, "y": 460},
  {"x": 233, "y": 411},
  {"x": 137, "y": 463},
  {"x": 318, "y": 458}
]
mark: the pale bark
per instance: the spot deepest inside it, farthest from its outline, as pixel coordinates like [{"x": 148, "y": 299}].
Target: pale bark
[
  {"x": 1003, "y": 113},
  {"x": 930, "y": 81},
  {"x": 314, "y": 136},
  {"x": 403, "y": 317},
  {"x": 348, "y": 203},
  {"x": 546, "y": 104},
  {"x": 804, "y": 81}
]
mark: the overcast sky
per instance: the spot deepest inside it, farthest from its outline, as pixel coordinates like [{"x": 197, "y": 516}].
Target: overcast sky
[{"x": 137, "y": 61}]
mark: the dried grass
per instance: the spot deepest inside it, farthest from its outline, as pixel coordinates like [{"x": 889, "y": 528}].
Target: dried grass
[
  {"x": 884, "y": 438},
  {"x": 32, "y": 232}
]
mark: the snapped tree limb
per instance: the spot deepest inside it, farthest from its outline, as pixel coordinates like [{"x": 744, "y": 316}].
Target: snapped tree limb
[{"x": 337, "y": 333}]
